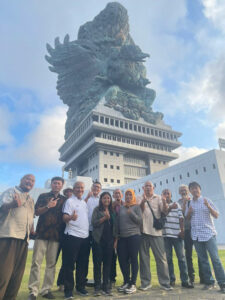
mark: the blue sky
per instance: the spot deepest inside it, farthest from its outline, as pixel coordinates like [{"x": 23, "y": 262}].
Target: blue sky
[{"x": 185, "y": 39}]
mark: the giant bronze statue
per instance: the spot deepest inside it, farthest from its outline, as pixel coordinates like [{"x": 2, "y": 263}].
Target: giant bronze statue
[{"x": 103, "y": 62}]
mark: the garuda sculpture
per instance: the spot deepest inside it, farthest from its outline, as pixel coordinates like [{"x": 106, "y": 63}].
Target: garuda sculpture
[{"x": 103, "y": 62}]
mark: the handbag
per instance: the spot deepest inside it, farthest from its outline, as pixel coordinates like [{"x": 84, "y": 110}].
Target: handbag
[{"x": 158, "y": 224}]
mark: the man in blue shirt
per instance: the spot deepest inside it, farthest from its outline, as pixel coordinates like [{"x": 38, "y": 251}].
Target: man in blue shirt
[{"x": 201, "y": 212}]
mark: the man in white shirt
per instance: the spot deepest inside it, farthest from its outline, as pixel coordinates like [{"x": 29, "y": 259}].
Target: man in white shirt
[
  {"x": 75, "y": 215},
  {"x": 92, "y": 201}
]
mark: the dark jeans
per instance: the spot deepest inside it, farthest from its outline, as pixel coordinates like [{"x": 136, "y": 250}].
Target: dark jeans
[
  {"x": 13, "y": 253},
  {"x": 73, "y": 252},
  {"x": 128, "y": 257},
  {"x": 102, "y": 254},
  {"x": 87, "y": 253},
  {"x": 178, "y": 245},
  {"x": 203, "y": 248},
  {"x": 188, "y": 245},
  {"x": 113, "y": 267}
]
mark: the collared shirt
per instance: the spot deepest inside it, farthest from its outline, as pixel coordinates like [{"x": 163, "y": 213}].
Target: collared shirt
[
  {"x": 79, "y": 227},
  {"x": 172, "y": 225},
  {"x": 91, "y": 204},
  {"x": 157, "y": 207},
  {"x": 50, "y": 224},
  {"x": 202, "y": 225},
  {"x": 16, "y": 222},
  {"x": 187, "y": 223}
]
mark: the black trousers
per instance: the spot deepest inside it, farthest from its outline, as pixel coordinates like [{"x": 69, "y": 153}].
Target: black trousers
[
  {"x": 13, "y": 255},
  {"x": 128, "y": 257},
  {"x": 188, "y": 245},
  {"x": 113, "y": 267},
  {"x": 72, "y": 250},
  {"x": 102, "y": 255}
]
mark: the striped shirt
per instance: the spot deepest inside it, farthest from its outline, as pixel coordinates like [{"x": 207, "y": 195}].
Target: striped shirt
[
  {"x": 202, "y": 225},
  {"x": 172, "y": 225}
]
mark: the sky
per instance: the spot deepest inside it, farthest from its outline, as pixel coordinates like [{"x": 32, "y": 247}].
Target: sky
[{"x": 185, "y": 40}]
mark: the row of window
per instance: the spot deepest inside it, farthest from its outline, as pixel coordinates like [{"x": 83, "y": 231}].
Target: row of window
[
  {"x": 111, "y": 167},
  {"x": 135, "y": 171},
  {"x": 111, "y": 153},
  {"x": 111, "y": 180},
  {"x": 136, "y": 142},
  {"x": 93, "y": 169},
  {"x": 134, "y": 127}
]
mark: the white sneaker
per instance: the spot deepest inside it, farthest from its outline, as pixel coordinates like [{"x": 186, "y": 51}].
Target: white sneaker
[
  {"x": 123, "y": 287},
  {"x": 145, "y": 288},
  {"x": 131, "y": 289},
  {"x": 166, "y": 287}
]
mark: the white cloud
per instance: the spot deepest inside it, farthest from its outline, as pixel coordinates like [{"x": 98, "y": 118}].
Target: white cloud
[
  {"x": 215, "y": 11},
  {"x": 41, "y": 146},
  {"x": 220, "y": 130},
  {"x": 186, "y": 153}
]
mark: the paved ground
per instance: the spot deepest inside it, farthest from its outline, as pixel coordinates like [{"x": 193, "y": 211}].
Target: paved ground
[{"x": 157, "y": 294}]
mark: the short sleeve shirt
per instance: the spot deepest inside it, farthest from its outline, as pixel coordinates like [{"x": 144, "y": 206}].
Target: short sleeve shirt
[
  {"x": 50, "y": 224},
  {"x": 157, "y": 207},
  {"x": 79, "y": 227}
]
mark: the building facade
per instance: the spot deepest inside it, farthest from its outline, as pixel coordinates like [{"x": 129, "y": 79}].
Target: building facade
[{"x": 116, "y": 150}]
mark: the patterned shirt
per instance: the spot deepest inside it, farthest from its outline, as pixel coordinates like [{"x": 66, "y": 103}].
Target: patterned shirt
[
  {"x": 202, "y": 225},
  {"x": 50, "y": 225},
  {"x": 172, "y": 225}
]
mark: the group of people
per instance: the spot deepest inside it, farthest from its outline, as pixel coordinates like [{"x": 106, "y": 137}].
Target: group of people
[{"x": 118, "y": 226}]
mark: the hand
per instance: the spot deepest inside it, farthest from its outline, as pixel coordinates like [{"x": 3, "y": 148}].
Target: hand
[
  {"x": 107, "y": 215},
  {"x": 206, "y": 203},
  {"x": 163, "y": 198},
  {"x": 90, "y": 194},
  {"x": 174, "y": 205},
  {"x": 52, "y": 202},
  {"x": 128, "y": 210},
  {"x": 181, "y": 234},
  {"x": 115, "y": 244},
  {"x": 74, "y": 216},
  {"x": 16, "y": 200}
]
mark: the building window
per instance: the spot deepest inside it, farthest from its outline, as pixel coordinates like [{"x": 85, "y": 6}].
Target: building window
[
  {"x": 126, "y": 125},
  {"x": 105, "y": 152},
  {"x": 152, "y": 132},
  {"x": 118, "y": 167},
  {"x": 130, "y": 126},
  {"x": 164, "y": 162},
  {"x": 154, "y": 161},
  {"x": 107, "y": 121},
  {"x": 112, "y": 180},
  {"x": 90, "y": 170},
  {"x": 148, "y": 131},
  {"x": 121, "y": 124},
  {"x": 105, "y": 179},
  {"x": 102, "y": 120},
  {"x": 111, "y": 167},
  {"x": 155, "y": 185},
  {"x": 96, "y": 167},
  {"x": 159, "y": 161},
  {"x": 166, "y": 180},
  {"x": 112, "y": 122},
  {"x": 118, "y": 181},
  {"x": 204, "y": 169},
  {"x": 139, "y": 128},
  {"x": 188, "y": 174},
  {"x": 160, "y": 182},
  {"x": 95, "y": 118},
  {"x": 111, "y": 153},
  {"x": 105, "y": 165},
  {"x": 117, "y": 154},
  {"x": 173, "y": 179},
  {"x": 93, "y": 168},
  {"x": 135, "y": 127},
  {"x": 214, "y": 166},
  {"x": 180, "y": 176},
  {"x": 117, "y": 123},
  {"x": 143, "y": 129},
  {"x": 196, "y": 172}
]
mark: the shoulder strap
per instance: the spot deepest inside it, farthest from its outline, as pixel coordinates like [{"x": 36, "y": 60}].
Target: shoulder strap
[{"x": 151, "y": 209}]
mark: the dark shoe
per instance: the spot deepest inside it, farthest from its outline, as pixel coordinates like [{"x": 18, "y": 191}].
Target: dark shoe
[
  {"x": 97, "y": 293},
  {"x": 68, "y": 296},
  {"x": 208, "y": 287},
  {"x": 166, "y": 287},
  {"x": 49, "y": 295},
  {"x": 32, "y": 297},
  {"x": 192, "y": 284},
  {"x": 82, "y": 292},
  {"x": 187, "y": 285},
  {"x": 107, "y": 293},
  {"x": 222, "y": 289},
  {"x": 172, "y": 283}
]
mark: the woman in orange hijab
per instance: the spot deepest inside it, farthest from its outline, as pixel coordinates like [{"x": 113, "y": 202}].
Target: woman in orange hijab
[{"x": 129, "y": 221}]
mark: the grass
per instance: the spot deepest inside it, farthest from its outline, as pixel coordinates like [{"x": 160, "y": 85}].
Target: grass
[{"x": 23, "y": 293}]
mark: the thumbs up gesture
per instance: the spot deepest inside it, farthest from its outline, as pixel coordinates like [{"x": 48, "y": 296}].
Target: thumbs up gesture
[{"x": 74, "y": 216}]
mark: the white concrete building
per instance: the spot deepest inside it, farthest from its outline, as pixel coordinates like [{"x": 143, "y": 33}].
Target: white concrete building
[{"x": 116, "y": 150}]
